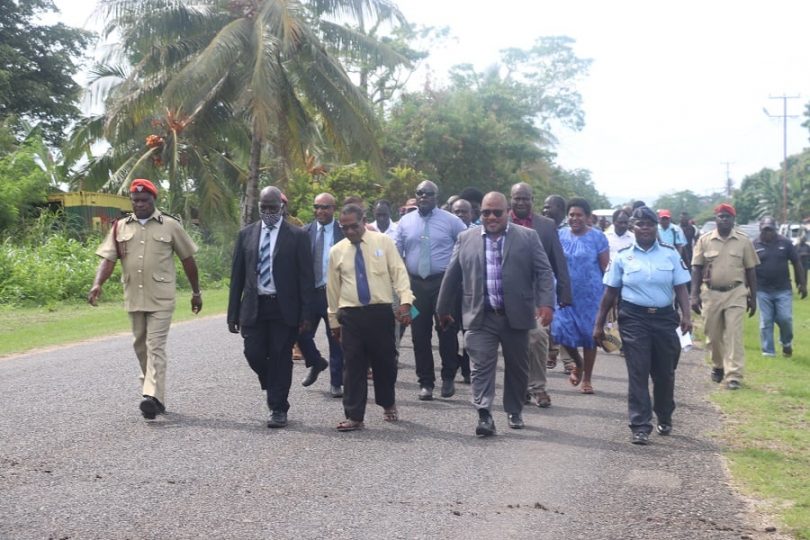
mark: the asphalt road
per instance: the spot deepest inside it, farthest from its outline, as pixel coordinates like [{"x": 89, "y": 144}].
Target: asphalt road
[{"x": 78, "y": 461}]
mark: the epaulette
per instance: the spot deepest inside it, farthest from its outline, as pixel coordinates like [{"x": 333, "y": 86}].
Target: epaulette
[
  {"x": 162, "y": 213},
  {"x": 130, "y": 218},
  {"x": 625, "y": 248},
  {"x": 670, "y": 246}
]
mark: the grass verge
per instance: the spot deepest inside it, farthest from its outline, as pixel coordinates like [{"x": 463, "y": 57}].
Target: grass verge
[
  {"x": 23, "y": 329},
  {"x": 767, "y": 432}
]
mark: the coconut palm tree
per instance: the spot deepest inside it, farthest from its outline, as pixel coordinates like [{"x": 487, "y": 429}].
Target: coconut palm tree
[{"x": 266, "y": 63}]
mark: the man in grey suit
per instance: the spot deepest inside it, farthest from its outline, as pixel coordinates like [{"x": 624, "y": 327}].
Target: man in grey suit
[
  {"x": 506, "y": 281},
  {"x": 521, "y": 213}
]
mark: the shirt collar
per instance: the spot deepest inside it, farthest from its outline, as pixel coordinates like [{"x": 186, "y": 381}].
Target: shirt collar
[
  {"x": 484, "y": 230},
  {"x": 526, "y": 222},
  {"x": 653, "y": 247}
]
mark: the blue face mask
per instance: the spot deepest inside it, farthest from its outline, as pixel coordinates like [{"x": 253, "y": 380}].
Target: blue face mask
[{"x": 269, "y": 219}]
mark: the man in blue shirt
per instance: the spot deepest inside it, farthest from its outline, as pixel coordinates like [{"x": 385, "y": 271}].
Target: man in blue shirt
[
  {"x": 425, "y": 239},
  {"x": 323, "y": 234},
  {"x": 669, "y": 233}
]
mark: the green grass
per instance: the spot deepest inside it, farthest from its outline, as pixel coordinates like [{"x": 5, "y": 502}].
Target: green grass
[
  {"x": 767, "y": 431},
  {"x": 23, "y": 329}
]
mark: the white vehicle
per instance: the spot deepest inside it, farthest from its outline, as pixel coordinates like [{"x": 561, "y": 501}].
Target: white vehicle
[{"x": 793, "y": 231}]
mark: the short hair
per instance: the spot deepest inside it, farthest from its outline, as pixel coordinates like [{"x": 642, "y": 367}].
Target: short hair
[
  {"x": 579, "y": 202},
  {"x": 383, "y": 202},
  {"x": 472, "y": 195},
  {"x": 355, "y": 209},
  {"x": 619, "y": 212},
  {"x": 353, "y": 199}
]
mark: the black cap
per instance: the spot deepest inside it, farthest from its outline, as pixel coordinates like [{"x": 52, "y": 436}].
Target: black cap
[
  {"x": 644, "y": 212},
  {"x": 767, "y": 223}
]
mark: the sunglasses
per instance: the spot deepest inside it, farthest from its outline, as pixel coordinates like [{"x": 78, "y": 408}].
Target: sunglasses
[
  {"x": 496, "y": 213},
  {"x": 321, "y": 206},
  {"x": 422, "y": 193}
]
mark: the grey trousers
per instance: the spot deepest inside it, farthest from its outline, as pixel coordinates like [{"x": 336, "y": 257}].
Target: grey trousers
[
  {"x": 482, "y": 346},
  {"x": 538, "y": 355}
]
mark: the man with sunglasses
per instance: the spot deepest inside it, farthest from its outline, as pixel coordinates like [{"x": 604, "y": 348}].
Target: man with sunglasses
[
  {"x": 425, "y": 239},
  {"x": 324, "y": 233},
  {"x": 508, "y": 289},
  {"x": 270, "y": 297}
]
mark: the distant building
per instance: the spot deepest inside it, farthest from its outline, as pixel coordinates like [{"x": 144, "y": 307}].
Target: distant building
[{"x": 94, "y": 211}]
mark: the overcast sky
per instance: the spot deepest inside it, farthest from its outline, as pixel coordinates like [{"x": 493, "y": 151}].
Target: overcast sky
[{"x": 675, "y": 91}]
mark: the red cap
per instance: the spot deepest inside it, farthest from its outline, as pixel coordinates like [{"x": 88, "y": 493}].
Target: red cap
[
  {"x": 138, "y": 185},
  {"x": 725, "y": 207},
  {"x": 664, "y": 213}
]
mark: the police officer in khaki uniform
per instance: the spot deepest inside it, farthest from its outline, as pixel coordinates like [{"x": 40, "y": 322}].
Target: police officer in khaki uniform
[
  {"x": 146, "y": 241},
  {"x": 725, "y": 261}
]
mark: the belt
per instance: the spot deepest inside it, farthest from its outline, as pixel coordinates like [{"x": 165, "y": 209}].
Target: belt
[
  {"x": 651, "y": 310},
  {"x": 726, "y": 288},
  {"x": 371, "y": 307},
  {"x": 321, "y": 288},
  {"x": 268, "y": 296},
  {"x": 429, "y": 278},
  {"x": 494, "y": 311}
]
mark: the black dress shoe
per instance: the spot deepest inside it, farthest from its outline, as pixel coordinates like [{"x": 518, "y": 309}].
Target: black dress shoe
[
  {"x": 664, "y": 429},
  {"x": 486, "y": 426},
  {"x": 151, "y": 407},
  {"x": 639, "y": 437},
  {"x": 278, "y": 419},
  {"x": 336, "y": 391},
  {"x": 425, "y": 394},
  {"x": 516, "y": 421},
  {"x": 718, "y": 374},
  {"x": 466, "y": 379},
  {"x": 448, "y": 388},
  {"x": 733, "y": 385},
  {"x": 314, "y": 371}
]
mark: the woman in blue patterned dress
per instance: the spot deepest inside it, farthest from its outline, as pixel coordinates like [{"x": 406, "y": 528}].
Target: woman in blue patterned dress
[{"x": 587, "y": 253}]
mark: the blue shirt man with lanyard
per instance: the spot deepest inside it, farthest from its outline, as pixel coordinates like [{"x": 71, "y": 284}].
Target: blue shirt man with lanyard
[
  {"x": 649, "y": 275},
  {"x": 425, "y": 239}
]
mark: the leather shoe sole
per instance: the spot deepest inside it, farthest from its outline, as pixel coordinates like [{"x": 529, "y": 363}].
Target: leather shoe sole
[{"x": 313, "y": 372}]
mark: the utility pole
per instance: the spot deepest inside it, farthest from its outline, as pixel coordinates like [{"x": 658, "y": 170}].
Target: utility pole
[
  {"x": 729, "y": 181},
  {"x": 784, "y": 116}
]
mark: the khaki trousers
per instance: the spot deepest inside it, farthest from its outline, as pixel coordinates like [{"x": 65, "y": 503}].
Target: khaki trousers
[
  {"x": 150, "y": 329},
  {"x": 538, "y": 355},
  {"x": 723, "y": 313}
]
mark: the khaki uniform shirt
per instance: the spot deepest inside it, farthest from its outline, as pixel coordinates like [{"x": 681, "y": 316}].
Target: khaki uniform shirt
[
  {"x": 384, "y": 270},
  {"x": 724, "y": 260},
  {"x": 147, "y": 259}
]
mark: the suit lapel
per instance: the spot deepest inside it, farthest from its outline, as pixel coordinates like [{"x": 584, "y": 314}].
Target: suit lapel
[
  {"x": 254, "y": 236},
  {"x": 282, "y": 237},
  {"x": 313, "y": 234},
  {"x": 507, "y": 245}
]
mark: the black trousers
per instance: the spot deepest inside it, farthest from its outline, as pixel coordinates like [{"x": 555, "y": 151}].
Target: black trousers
[
  {"x": 426, "y": 292},
  {"x": 651, "y": 350},
  {"x": 306, "y": 341},
  {"x": 268, "y": 349},
  {"x": 367, "y": 336}
]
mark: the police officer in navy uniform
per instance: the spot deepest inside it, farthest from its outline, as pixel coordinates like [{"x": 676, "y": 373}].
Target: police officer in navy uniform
[{"x": 648, "y": 274}]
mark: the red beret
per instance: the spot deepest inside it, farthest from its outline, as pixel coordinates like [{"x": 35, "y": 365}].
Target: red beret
[
  {"x": 141, "y": 184},
  {"x": 725, "y": 207}
]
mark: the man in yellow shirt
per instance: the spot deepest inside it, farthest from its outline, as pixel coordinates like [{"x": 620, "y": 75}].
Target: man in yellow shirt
[
  {"x": 364, "y": 267},
  {"x": 146, "y": 242}
]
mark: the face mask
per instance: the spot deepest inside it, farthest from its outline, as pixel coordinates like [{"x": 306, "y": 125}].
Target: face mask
[{"x": 270, "y": 220}]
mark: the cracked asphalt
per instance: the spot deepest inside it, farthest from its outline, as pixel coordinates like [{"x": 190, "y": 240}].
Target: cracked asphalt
[{"x": 77, "y": 460}]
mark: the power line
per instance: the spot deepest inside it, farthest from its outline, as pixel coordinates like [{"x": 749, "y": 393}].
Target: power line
[{"x": 784, "y": 116}]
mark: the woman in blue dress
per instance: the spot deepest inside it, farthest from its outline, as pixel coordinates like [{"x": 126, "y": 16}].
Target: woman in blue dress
[{"x": 587, "y": 252}]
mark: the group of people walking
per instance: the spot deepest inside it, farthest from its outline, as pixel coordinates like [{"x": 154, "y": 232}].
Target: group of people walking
[{"x": 484, "y": 267}]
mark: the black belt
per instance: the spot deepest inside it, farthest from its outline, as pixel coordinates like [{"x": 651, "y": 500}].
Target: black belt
[
  {"x": 429, "y": 278},
  {"x": 726, "y": 288},
  {"x": 268, "y": 296},
  {"x": 494, "y": 311},
  {"x": 371, "y": 307},
  {"x": 651, "y": 310},
  {"x": 321, "y": 288}
]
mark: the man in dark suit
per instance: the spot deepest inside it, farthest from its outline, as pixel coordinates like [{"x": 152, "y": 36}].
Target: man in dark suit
[
  {"x": 323, "y": 232},
  {"x": 521, "y": 213},
  {"x": 270, "y": 295},
  {"x": 506, "y": 281}
]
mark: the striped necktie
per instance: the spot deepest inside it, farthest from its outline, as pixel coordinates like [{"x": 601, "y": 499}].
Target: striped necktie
[{"x": 265, "y": 275}]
